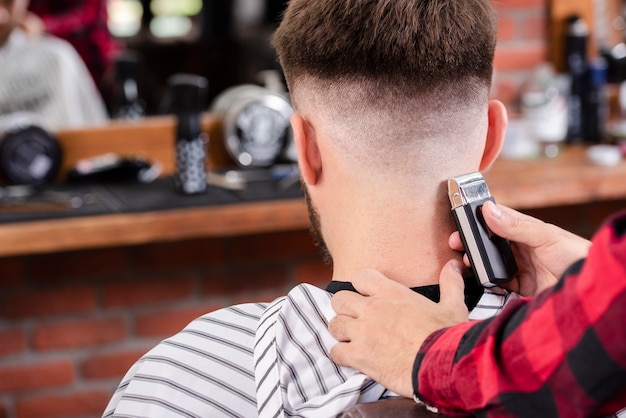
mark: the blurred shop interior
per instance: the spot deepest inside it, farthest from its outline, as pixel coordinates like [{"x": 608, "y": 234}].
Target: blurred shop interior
[
  {"x": 104, "y": 251},
  {"x": 226, "y": 41}
]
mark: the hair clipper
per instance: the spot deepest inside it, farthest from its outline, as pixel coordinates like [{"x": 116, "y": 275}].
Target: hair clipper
[{"x": 490, "y": 256}]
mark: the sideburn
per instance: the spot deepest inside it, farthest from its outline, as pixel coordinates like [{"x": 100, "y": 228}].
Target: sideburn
[{"x": 316, "y": 228}]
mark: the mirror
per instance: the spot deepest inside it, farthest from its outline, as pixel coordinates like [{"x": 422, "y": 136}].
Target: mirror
[{"x": 226, "y": 41}]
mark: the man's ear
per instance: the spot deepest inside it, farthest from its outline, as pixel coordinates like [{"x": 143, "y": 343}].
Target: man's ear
[
  {"x": 309, "y": 158},
  {"x": 498, "y": 121}
]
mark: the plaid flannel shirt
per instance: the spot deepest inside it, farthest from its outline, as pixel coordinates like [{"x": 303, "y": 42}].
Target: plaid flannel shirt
[{"x": 561, "y": 354}]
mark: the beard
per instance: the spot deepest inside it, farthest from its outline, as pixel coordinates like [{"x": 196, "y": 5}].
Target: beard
[{"x": 316, "y": 228}]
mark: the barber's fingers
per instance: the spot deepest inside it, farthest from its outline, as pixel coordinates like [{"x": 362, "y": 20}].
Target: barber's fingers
[
  {"x": 347, "y": 303},
  {"x": 371, "y": 282},
  {"x": 451, "y": 285},
  {"x": 367, "y": 282},
  {"x": 515, "y": 226},
  {"x": 455, "y": 242},
  {"x": 507, "y": 223},
  {"x": 339, "y": 327}
]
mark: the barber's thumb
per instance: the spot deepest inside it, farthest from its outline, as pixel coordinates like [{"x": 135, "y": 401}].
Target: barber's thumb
[
  {"x": 502, "y": 222},
  {"x": 451, "y": 284}
]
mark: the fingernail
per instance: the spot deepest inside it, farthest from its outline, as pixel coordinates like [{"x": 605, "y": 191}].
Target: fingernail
[{"x": 495, "y": 210}]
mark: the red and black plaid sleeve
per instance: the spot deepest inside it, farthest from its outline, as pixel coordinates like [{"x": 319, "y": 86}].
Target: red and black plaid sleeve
[{"x": 561, "y": 354}]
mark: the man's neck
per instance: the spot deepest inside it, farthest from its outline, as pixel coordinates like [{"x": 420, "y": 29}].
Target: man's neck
[{"x": 407, "y": 243}]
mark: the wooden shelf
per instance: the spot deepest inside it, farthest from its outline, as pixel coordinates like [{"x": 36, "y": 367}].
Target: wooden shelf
[
  {"x": 129, "y": 229},
  {"x": 523, "y": 184},
  {"x": 566, "y": 180}
]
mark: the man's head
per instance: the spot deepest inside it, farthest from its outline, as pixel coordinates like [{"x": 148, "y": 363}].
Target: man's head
[
  {"x": 390, "y": 96},
  {"x": 12, "y": 13}
]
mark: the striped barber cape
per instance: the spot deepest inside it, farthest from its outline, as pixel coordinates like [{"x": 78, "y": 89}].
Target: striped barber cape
[{"x": 255, "y": 359}]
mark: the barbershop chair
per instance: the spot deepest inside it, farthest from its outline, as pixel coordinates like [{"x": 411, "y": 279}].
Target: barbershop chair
[{"x": 390, "y": 408}]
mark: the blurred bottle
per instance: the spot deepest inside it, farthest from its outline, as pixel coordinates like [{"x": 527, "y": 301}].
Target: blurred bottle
[
  {"x": 126, "y": 102},
  {"x": 544, "y": 109},
  {"x": 187, "y": 93},
  {"x": 596, "y": 103},
  {"x": 576, "y": 64}
]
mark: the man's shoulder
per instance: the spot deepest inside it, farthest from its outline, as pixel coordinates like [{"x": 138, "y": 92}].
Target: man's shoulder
[
  {"x": 309, "y": 292},
  {"x": 302, "y": 298},
  {"x": 306, "y": 308}
]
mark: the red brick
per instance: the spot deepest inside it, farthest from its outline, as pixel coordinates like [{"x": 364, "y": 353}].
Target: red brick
[
  {"x": 245, "y": 279},
  {"x": 525, "y": 57},
  {"x": 267, "y": 295},
  {"x": 48, "y": 302},
  {"x": 164, "y": 324},
  {"x": 15, "y": 378},
  {"x": 85, "y": 333},
  {"x": 147, "y": 291},
  {"x": 11, "y": 272},
  {"x": 79, "y": 265},
  {"x": 4, "y": 410},
  {"x": 316, "y": 273},
  {"x": 507, "y": 29},
  {"x": 77, "y": 404},
  {"x": 535, "y": 29},
  {"x": 180, "y": 254},
  {"x": 506, "y": 91},
  {"x": 278, "y": 246},
  {"x": 111, "y": 365},
  {"x": 12, "y": 341}
]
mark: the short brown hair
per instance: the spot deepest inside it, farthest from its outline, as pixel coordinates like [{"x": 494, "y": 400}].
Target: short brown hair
[
  {"x": 398, "y": 86},
  {"x": 413, "y": 44}
]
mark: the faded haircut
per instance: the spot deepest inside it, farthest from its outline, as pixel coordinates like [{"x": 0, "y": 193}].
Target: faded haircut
[{"x": 390, "y": 70}]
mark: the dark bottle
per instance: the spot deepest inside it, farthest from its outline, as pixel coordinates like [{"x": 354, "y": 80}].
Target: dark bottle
[
  {"x": 126, "y": 101},
  {"x": 596, "y": 104},
  {"x": 187, "y": 93},
  {"x": 576, "y": 63}
]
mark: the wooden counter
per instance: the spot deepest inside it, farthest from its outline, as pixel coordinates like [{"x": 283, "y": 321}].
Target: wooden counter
[
  {"x": 126, "y": 229},
  {"x": 566, "y": 180}
]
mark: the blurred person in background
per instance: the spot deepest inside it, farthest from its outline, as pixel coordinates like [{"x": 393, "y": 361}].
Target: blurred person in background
[
  {"x": 43, "y": 77},
  {"x": 83, "y": 23}
]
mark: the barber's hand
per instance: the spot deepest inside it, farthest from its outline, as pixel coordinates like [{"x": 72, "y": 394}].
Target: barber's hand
[
  {"x": 543, "y": 251},
  {"x": 381, "y": 329}
]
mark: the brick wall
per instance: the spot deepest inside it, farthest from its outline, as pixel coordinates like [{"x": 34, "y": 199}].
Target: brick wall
[
  {"x": 522, "y": 45},
  {"x": 72, "y": 323}
]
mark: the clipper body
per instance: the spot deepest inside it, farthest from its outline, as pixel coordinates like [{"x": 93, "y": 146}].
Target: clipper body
[{"x": 490, "y": 256}]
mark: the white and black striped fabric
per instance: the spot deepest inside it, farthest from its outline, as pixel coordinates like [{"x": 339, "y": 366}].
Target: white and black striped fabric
[
  {"x": 294, "y": 373},
  {"x": 205, "y": 370},
  {"x": 267, "y": 360}
]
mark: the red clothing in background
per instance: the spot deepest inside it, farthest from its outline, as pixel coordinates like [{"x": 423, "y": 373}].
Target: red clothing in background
[
  {"x": 561, "y": 354},
  {"x": 83, "y": 23}
]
